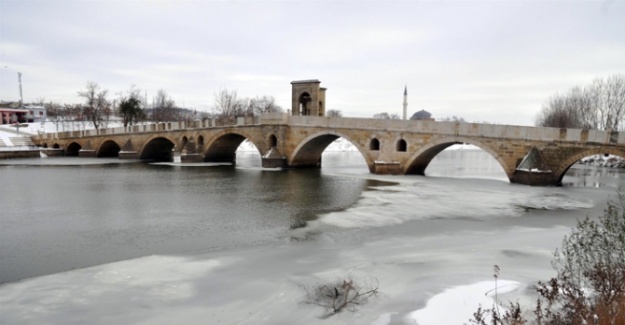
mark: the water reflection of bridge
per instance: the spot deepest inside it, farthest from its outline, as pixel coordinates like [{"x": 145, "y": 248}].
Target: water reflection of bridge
[{"x": 528, "y": 155}]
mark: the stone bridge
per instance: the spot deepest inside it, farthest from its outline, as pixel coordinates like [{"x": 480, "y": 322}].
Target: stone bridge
[{"x": 528, "y": 155}]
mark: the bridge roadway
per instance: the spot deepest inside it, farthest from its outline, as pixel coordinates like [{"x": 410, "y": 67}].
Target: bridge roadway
[{"x": 528, "y": 155}]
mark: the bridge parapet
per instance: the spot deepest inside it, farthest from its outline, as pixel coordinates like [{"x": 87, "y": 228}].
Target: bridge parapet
[
  {"x": 143, "y": 128},
  {"x": 454, "y": 128},
  {"x": 412, "y": 126}
]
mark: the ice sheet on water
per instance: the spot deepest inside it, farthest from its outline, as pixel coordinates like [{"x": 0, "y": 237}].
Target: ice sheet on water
[
  {"x": 450, "y": 199},
  {"x": 179, "y": 164},
  {"x": 556, "y": 201},
  {"x": 109, "y": 290},
  {"x": 264, "y": 169},
  {"x": 64, "y": 161}
]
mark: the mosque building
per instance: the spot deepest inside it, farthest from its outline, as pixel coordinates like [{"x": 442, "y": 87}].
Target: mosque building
[{"x": 421, "y": 115}]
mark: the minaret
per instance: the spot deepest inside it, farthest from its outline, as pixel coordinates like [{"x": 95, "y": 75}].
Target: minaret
[{"x": 405, "y": 101}]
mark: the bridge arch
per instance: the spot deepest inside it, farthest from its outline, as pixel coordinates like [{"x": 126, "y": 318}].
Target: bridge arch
[
  {"x": 72, "y": 149},
  {"x": 108, "y": 148},
  {"x": 308, "y": 152},
  {"x": 419, "y": 161},
  {"x": 567, "y": 163},
  {"x": 222, "y": 146},
  {"x": 158, "y": 148}
]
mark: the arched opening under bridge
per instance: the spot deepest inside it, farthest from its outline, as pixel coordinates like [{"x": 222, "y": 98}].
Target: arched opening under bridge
[
  {"x": 452, "y": 158},
  {"x": 108, "y": 149},
  {"x": 233, "y": 148},
  {"x": 72, "y": 149},
  {"x": 334, "y": 150},
  {"x": 159, "y": 150},
  {"x": 592, "y": 168}
]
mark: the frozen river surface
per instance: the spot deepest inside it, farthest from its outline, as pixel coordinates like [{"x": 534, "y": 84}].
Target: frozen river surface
[{"x": 161, "y": 244}]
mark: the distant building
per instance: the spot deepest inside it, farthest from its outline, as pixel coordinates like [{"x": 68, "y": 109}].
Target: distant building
[
  {"x": 35, "y": 113},
  {"x": 422, "y": 115},
  {"x": 11, "y": 113}
]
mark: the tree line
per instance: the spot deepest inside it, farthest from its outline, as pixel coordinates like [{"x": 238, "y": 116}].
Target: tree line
[
  {"x": 599, "y": 106},
  {"x": 97, "y": 107}
]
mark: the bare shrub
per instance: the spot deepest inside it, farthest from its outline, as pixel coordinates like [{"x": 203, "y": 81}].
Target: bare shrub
[
  {"x": 589, "y": 287},
  {"x": 341, "y": 295}
]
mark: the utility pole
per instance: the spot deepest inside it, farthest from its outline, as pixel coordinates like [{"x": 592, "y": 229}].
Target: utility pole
[{"x": 19, "y": 83}]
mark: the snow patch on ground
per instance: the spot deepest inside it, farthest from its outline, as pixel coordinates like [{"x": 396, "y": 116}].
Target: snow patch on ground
[
  {"x": 464, "y": 300},
  {"x": 604, "y": 161}
]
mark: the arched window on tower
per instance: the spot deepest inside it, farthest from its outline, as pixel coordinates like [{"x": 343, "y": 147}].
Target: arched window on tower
[{"x": 304, "y": 99}]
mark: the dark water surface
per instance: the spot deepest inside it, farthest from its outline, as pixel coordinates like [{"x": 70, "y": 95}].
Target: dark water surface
[{"x": 59, "y": 214}]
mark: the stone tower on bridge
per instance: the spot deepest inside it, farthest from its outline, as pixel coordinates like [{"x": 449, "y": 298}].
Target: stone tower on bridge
[{"x": 308, "y": 99}]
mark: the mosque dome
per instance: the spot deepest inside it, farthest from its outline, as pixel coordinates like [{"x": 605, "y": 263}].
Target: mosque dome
[{"x": 421, "y": 115}]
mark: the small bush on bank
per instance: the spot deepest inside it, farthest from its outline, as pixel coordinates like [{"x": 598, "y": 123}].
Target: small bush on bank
[{"x": 589, "y": 287}]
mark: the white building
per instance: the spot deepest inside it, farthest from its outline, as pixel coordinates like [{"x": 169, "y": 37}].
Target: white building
[{"x": 35, "y": 113}]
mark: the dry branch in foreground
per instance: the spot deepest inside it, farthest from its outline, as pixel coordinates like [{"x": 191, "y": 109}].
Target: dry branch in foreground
[{"x": 345, "y": 294}]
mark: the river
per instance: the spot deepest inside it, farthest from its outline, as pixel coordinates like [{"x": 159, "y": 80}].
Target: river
[{"x": 417, "y": 235}]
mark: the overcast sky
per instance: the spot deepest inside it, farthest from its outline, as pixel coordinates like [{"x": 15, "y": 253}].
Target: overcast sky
[{"x": 484, "y": 61}]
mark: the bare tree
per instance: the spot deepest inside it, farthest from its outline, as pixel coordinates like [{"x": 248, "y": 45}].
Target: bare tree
[
  {"x": 40, "y": 101},
  {"x": 164, "y": 108},
  {"x": 386, "y": 116},
  {"x": 558, "y": 113},
  {"x": 265, "y": 104},
  {"x": 609, "y": 98},
  {"x": 453, "y": 119},
  {"x": 53, "y": 109},
  {"x": 69, "y": 114},
  {"x": 227, "y": 105},
  {"x": 600, "y": 105},
  {"x": 334, "y": 113},
  {"x": 55, "y": 113},
  {"x": 96, "y": 105}
]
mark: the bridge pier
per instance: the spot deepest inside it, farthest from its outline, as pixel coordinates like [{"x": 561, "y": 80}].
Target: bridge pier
[
  {"x": 534, "y": 170},
  {"x": 386, "y": 168},
  {"x": 86, "y": 153},
  {"x": 534, "y": 178},
  {"x": 191, "y": 158},
  {"x": 273, "y": 159},
  {"x": 189, "y": 153},
  {"x": 128, "y": 155}
]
